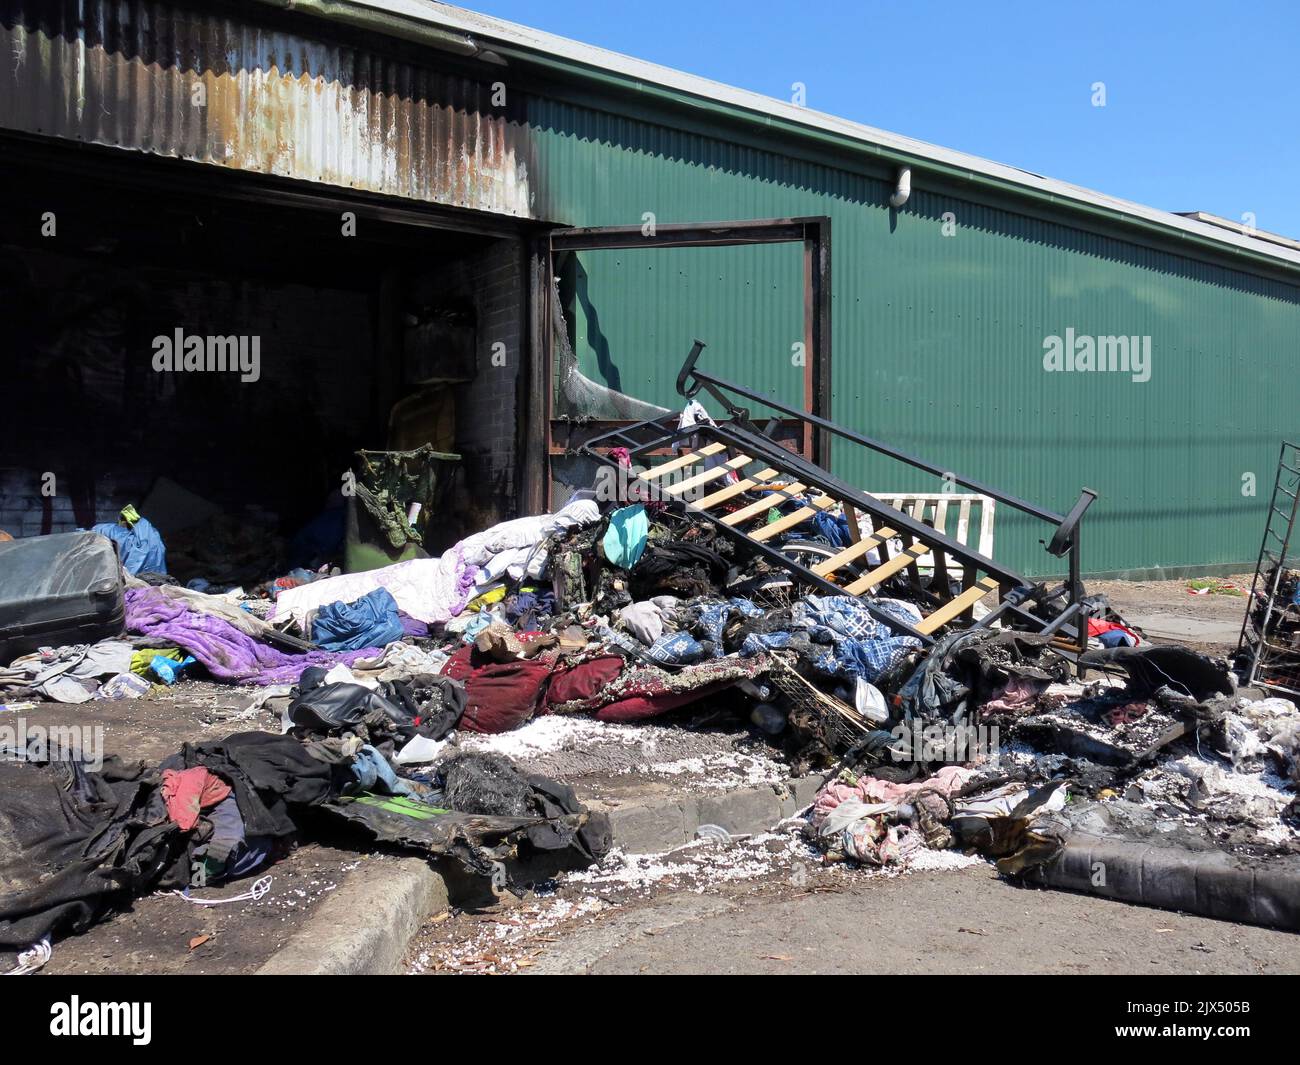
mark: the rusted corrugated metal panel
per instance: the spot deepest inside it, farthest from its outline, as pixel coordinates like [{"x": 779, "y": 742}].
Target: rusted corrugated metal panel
[{"x": 188, "y": 84}]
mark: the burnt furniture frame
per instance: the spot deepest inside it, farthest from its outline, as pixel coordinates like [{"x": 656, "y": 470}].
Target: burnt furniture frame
[{"x": 1023, "y": 603}]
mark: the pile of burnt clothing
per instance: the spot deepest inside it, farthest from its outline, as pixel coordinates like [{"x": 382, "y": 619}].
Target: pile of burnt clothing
[
  {"x": 875, "y": 698},
  {"x": 982, "y": 673},
  {"x": 384, "y": 714},
  {"x": 648, "y": 611},
  {"x": 877, "y": 821},
  {"x": 83, "y": 839},
  {"x": 921, "y": 759},
  {"x": 890, "y": 817},
  {"x": 1164, "y": 746},
  {"x": 1017, "y": 687},
  {"x": 1171, "y": 737},
  {"x": 488, "y": 811},
  {"x": 1226, "y": 763},
  {"x": 1166, "y": 693}
]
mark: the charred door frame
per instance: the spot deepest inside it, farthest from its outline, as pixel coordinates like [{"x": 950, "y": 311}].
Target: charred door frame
[{"x": 813, "y": 232}]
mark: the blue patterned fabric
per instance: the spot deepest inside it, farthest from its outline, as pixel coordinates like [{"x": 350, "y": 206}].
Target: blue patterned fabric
[
  {"x": 857, "y": 644},
  {"x": 758, "y": 642},
  {"x": 713, "y": 617},
  {"x": 677, "y": 649}
]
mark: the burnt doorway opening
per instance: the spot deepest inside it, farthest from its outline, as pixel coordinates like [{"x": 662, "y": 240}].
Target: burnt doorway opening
[
  {"x": 349, "y": 323},
  {"x": 745, "y": 266}
]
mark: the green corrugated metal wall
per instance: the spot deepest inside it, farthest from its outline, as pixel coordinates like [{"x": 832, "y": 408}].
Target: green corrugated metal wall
[{"x": 938, "y": 340}]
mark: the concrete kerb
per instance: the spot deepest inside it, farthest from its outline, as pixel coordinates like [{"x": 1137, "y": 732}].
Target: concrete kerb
[
  {"x": 660, "y": 826},
  {"x": 363, "y": 928}
]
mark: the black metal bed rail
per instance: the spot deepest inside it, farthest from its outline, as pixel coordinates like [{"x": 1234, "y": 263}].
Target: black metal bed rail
[
  {"x": 1065, "y": 536},
  {"x": 717, "y": 387},
  {"x": 646, "y": 439},
  {"x": 898, "y": 520}
]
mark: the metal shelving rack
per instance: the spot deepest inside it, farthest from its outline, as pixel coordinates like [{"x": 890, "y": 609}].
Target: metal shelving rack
[{"x": 1270, "y": 631}]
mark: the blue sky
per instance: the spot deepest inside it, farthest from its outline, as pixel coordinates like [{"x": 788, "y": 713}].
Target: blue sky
[{"x": 1202, "y": 100}]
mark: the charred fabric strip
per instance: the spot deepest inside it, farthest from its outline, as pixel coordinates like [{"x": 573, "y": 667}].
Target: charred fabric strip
[
  {"x": 1157, "y": 666},
  {"x": 75, "y": 844},
  {"x": 1153, "y": 860},
  {"x": 967, "y": 669},
  {"x": 497, "y": 811}
]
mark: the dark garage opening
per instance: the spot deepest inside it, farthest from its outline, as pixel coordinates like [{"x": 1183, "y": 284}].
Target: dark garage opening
[{"x": 380, "y": 340}]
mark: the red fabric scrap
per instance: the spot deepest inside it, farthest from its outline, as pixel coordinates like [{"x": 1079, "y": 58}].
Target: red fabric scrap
[
  {"x": 499, "y": 696},
  {"x": 583, "y": 681},
  {"x": 1096, "y": 627},
  {"x": 188, "y": 791},
  {"x": 639, "y": 707}
]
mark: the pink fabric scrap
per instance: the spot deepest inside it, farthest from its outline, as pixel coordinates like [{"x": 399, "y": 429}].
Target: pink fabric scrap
[{"x": 872, "y": 790}]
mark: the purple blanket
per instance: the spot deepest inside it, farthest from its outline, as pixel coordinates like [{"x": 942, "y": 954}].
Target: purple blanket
[{"x": 226, "y": 652}]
